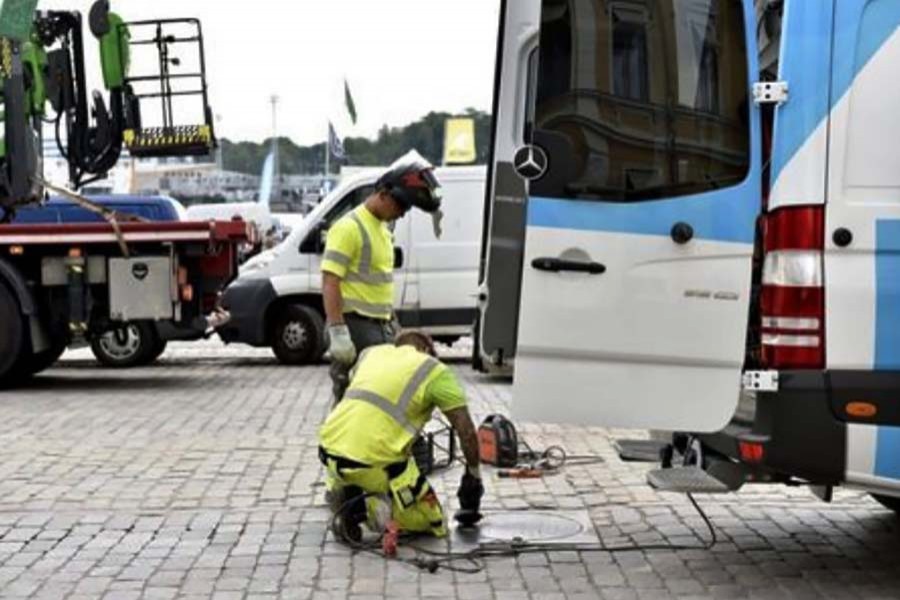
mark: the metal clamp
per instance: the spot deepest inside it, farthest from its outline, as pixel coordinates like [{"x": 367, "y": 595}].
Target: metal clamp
[{"x": 760, "y": 381}]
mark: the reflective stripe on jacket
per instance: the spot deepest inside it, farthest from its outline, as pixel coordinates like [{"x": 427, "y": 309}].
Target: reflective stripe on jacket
[
  {"x": 360, "y": 250},
  {"x": 385, "y": 406}
]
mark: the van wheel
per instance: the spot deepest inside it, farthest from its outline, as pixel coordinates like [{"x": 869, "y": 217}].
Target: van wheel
[
  {"x": 890, "y": 502},
  {"x": 126, "y": 346},
  {"x": 298, "y": 335},
  {"x": 41, "y": 361},
  {"x": 11, "y": 335}
]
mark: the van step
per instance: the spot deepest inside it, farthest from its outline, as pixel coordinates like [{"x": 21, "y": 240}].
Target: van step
[
  {"x": 640, "y": 450},
  {"x": 686, "y": 480}
]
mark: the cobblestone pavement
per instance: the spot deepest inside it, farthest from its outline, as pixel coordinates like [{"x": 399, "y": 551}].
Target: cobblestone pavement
[{"x": 198, "y": 478}]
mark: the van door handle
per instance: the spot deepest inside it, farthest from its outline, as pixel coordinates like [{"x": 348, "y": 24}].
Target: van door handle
[
  {"x": 682, "y": 233},
  {"x": 556, "y": 265}
]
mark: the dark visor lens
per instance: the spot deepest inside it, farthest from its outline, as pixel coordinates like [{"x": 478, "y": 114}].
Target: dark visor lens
[{"x": 430, "y": 179}]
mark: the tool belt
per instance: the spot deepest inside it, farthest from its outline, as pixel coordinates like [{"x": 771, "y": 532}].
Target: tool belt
[
  {"x": 341, "y": 462},
  {"x": 404, "y": 488},
  {"x": 393, "y": 470},
  {"x": 366, "y": 318}
]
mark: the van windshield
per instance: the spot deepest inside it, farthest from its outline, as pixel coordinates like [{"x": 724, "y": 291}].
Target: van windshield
[{"x": 642, "y": 99}]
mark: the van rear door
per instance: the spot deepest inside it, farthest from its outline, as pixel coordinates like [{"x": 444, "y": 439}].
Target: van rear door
[
  {"x": 862, "y": 241},
  {"x": 503, "y": 236},
  {"x": 640, "y": 223}
]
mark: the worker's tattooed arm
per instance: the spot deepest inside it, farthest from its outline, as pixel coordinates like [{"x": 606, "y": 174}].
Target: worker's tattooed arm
[{"x": 462, "y": 423}]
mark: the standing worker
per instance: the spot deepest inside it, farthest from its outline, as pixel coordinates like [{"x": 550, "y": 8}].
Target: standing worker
[
  {"x": 358, "y": 265},
  {"x": 365, "y": 444}
]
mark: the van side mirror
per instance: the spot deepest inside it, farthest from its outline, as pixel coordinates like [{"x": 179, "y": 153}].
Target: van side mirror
[
  {"x": 314, "y": 242},
  {"x": 398, "y": 257}
]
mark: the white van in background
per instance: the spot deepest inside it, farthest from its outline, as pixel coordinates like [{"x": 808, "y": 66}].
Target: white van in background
[{"x": 277, "y": 299}]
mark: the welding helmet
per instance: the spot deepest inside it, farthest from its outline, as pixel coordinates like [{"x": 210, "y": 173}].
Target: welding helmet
[{"x": 410, "y": 181}]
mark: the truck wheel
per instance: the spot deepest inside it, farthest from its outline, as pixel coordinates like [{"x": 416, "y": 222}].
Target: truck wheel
[
  {"x": 126, "y": 346},
  {"x": 159, "y": 346},
  {"x": 11, "y": 335},
  {"x": 890, "y": 502},
  {"x": 298, "y": 335}
]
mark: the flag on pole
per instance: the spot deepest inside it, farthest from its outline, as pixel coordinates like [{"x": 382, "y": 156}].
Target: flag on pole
[
  {"x": 267, "y": 180},
  {"x": 335, "y": 144},
  {"x": 348, "y": 100}
]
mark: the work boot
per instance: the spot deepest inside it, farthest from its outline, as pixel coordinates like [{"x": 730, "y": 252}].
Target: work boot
[
  {"x": 349, "y": 508},
  {"x": 346, "y": 529}
]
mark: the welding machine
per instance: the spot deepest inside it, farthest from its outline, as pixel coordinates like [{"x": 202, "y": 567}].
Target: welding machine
[{"x": 498, "y": 442}]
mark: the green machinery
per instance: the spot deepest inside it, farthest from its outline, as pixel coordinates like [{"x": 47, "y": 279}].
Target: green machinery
[{"x": 43, "y": 82}]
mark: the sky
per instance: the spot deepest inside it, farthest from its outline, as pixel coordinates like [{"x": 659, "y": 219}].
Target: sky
[{"x": 402, "y": 59}]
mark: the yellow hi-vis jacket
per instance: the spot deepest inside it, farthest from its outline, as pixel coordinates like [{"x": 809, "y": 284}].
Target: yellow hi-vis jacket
[
  {"x": 360, "y": 250},
  {"x": 392, "y": 393}
]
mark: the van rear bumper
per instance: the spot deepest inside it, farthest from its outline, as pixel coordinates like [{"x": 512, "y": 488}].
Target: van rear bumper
[
  {"x": 803, "y": 426},
  {"x": 248, "y": 301}
]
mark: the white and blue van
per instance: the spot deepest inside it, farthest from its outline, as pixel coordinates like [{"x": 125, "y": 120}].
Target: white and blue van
[{"x": 693, "y": 225}]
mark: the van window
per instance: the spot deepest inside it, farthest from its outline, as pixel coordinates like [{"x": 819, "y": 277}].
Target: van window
[
  {"x": 642, "y": 99},
  {"x": 350, "y": 201},
  {"x": 530, "y": 92},
  {"x": 629, "y": 53}
]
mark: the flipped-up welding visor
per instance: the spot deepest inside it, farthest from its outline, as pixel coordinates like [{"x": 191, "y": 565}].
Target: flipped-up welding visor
[{"x": 411, "y": 182}]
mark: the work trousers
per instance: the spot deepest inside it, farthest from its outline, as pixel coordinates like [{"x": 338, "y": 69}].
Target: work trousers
[
  {"x": 364, "y": 333},
  {"x": 413, "y": 504}
]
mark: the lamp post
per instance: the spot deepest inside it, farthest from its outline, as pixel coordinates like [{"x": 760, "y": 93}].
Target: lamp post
[{"x": 220, "y": 151}]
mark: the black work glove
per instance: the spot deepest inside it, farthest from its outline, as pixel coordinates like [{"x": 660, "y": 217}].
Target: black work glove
[{"x": 470, "y": 492}]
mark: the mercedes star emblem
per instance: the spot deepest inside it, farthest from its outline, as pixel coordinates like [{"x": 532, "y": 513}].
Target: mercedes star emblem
[{"x": 531, "y": 162}]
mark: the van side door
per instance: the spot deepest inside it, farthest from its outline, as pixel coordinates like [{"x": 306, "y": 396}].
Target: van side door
[{"x": 503, "y": 237}]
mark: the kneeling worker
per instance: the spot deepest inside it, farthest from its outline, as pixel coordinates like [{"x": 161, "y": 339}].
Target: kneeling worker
[{"x": 366, "y": 441}]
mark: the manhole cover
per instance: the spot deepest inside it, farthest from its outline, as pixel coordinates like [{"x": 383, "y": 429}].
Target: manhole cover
[
  {"x": 541, "y": 526},
  {"x": 532, "y": 526}
]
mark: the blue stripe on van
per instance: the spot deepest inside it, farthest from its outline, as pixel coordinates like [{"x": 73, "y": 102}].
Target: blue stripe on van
[
  {"x": 805, "y": 57},
  {"x": 887, "y": 453},
  {"x": 712, "y": 216},
  {"x": 887, "y": 334},
  {"x": 864, "y": 26},
  {"x": 861, "y": 28},
  {"x": 887, "y": 295}
]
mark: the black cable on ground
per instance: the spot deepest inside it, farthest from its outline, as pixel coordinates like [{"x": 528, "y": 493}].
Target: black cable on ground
[
  {"x": 433, "y": 560},
  {"x": 551, "y": 460},
  {"x": 516, "y": 547}
]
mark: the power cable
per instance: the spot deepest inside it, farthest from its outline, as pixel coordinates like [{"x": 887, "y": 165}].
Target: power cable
[
  {"x": 518, "y": 546},
  {"x": 474, "y": 560}
]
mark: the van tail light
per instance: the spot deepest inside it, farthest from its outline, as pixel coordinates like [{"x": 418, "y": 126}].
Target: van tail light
[
  {"x": 793, "y": 289},
  {"x": 751, "y": 452}
]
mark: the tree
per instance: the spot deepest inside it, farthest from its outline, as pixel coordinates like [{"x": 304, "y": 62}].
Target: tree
[{"x": 425, "y": 135}]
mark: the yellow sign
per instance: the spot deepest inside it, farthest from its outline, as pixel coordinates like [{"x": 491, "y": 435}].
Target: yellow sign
[{"x": 459, "y": 142}]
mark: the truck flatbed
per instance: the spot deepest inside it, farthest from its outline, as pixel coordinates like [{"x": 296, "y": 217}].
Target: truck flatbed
[{"x": 105, "y": 233}]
